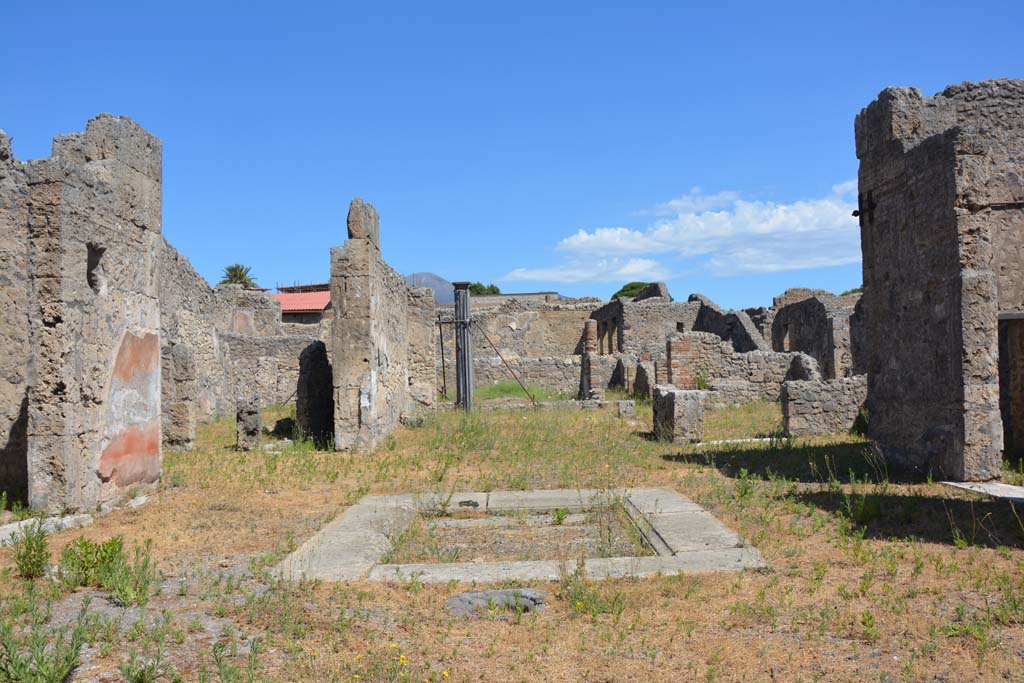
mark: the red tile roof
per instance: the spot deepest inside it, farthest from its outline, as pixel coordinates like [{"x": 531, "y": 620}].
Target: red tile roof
[{"x": 303, "y": 302}]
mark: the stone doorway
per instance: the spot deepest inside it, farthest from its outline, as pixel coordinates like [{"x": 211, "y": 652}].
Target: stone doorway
[{"x": 1011, "y": 384}]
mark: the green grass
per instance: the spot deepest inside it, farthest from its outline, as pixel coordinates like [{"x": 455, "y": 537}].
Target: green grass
[{"x": 511, "y": 389}]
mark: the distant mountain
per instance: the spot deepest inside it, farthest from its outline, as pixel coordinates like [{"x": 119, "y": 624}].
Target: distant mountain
[{"x": 443, "y": 292}]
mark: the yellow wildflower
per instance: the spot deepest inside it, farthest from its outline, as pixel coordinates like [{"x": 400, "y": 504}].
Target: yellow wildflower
[
  {"x": 445, "y": 673},
  {"x": 401, "y": 659},
  {"x": 394, "y": 645}
]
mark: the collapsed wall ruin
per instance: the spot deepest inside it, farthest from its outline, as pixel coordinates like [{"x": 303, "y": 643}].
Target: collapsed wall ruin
[
  {"x": 80, "y": 365},
  {"x": 819, "y": 324},
  {"x": 942, "y": 231}
]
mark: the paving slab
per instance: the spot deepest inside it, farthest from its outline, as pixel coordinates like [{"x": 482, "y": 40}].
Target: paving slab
[
  {"x": 729, "y": 559},
  {"x": 454, "y": 502},
  {"x": 574, "y": 500},
  {"x": 650, "y": 501},
  {"x": 686, "y": 531},
  {"x": 996, "y": 489}
]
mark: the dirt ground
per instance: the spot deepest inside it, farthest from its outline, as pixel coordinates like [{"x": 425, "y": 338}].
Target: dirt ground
[{"x": 871, "y": 578}]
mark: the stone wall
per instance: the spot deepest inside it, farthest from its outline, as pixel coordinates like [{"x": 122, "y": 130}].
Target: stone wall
[
  {"x": 819, "y": 326},
  {"x": 822, "y": 407},
  {"x": 221, "y": 344},
  {"x": 558, "y": 374},
  {"x": 15, "y": 285},
  {"x": 701, "y": 360},
  {"x": 266, "y": 368},
  {"x": 735, "y": 327},
  {"x": 534, "y": 335},
  {"x": 192, "y": 317},
  {"x": 79, "y": 237},
  {"x": 941, "y": 230},
  {"x": 639, "y": 328},
  {"x": 381, "y": 355}
]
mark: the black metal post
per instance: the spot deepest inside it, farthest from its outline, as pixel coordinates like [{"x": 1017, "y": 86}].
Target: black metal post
[
  {"x": 444, "y": 370},
  {"x": 463, "y": 348}
]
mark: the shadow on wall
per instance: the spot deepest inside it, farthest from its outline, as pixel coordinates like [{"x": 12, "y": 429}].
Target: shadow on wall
[
  {"x": 314, "y": 396},
  {"x": 14, "y": 457}
]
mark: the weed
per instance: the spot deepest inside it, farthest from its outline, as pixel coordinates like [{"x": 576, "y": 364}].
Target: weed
[
  {"x": 558, "y": 516},
  {"x": 31, "y": 551},
  {"x": 131, "y": 583},
  {"x": 106, "y": 565},
  {"x": 870, "y": 628},
  {"x": 586, "y": 598},
  {"x": 38, "y": 653},
  {"x": 86, "y": 563}
]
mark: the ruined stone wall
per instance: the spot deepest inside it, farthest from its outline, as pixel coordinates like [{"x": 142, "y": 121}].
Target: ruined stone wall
[
  {"x": 266, "y": 368},
  {"x": 822, "y": 407},
  {"x": 373, "y": 341},
  {"x": 14, "y": 325},
  {"x": 938, "y": 180},
  {"x": 701, "y": 360},
  {"x": 221, "y": 344},
  {"x": 93, "y": 214},
  {"x": 819, "y": 326},
  {"x": 558, "y": 374},
  {"x": 596, "y": 374},
  {"x": 537, "y": 336},
  {"x": 192, "y": 317},
  {"x": 639, "y": 328},
  {"x": 735, "y": 327}
]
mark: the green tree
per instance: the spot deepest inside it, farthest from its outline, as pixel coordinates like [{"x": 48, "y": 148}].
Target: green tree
[
  {"x": 630, "y": 289},
  {"x": 478, "y": 288},
  {"x": 855, "y": 290},
  {"x": 237, "y": 274}
]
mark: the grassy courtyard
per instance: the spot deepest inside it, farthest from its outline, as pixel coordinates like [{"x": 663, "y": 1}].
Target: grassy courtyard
[{"x": 870, "y": 579}]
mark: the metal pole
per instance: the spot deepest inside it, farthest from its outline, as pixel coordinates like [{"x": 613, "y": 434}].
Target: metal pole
[
  {"x": 463, "y": 348},
  {"x": 444, "y": 371}
]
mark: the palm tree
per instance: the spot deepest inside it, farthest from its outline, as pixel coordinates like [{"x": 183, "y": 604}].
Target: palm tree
[{"x": 237, "y": 274}]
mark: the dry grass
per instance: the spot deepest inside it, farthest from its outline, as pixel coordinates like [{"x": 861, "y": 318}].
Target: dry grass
[{"x": 871, "y": 579}]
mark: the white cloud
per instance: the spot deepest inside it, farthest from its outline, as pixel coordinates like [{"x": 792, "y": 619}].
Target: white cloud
[
  {"x": 600, "y": 270},
  {"x": 723, "y": 233}
]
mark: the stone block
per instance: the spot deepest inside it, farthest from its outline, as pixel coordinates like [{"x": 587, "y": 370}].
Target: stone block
[
  {"x": 363, "y": 222},
  {"x": 678, "y": 414},
  {"x": 626, "y": 408},
  {"x": 249, "y": 424}
]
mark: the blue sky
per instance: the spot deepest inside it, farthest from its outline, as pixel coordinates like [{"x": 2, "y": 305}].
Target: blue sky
[{"x": 565, "y": 146}]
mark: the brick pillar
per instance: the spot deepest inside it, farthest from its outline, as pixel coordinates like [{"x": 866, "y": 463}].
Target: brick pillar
[{"x": 590, "y": 336}]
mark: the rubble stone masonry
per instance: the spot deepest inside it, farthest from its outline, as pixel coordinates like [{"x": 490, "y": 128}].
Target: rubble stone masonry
[
  {"x": 942, "y": 234},
  {"x": 383, "y": 338},
  {"x": 79, "y": 239}
]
